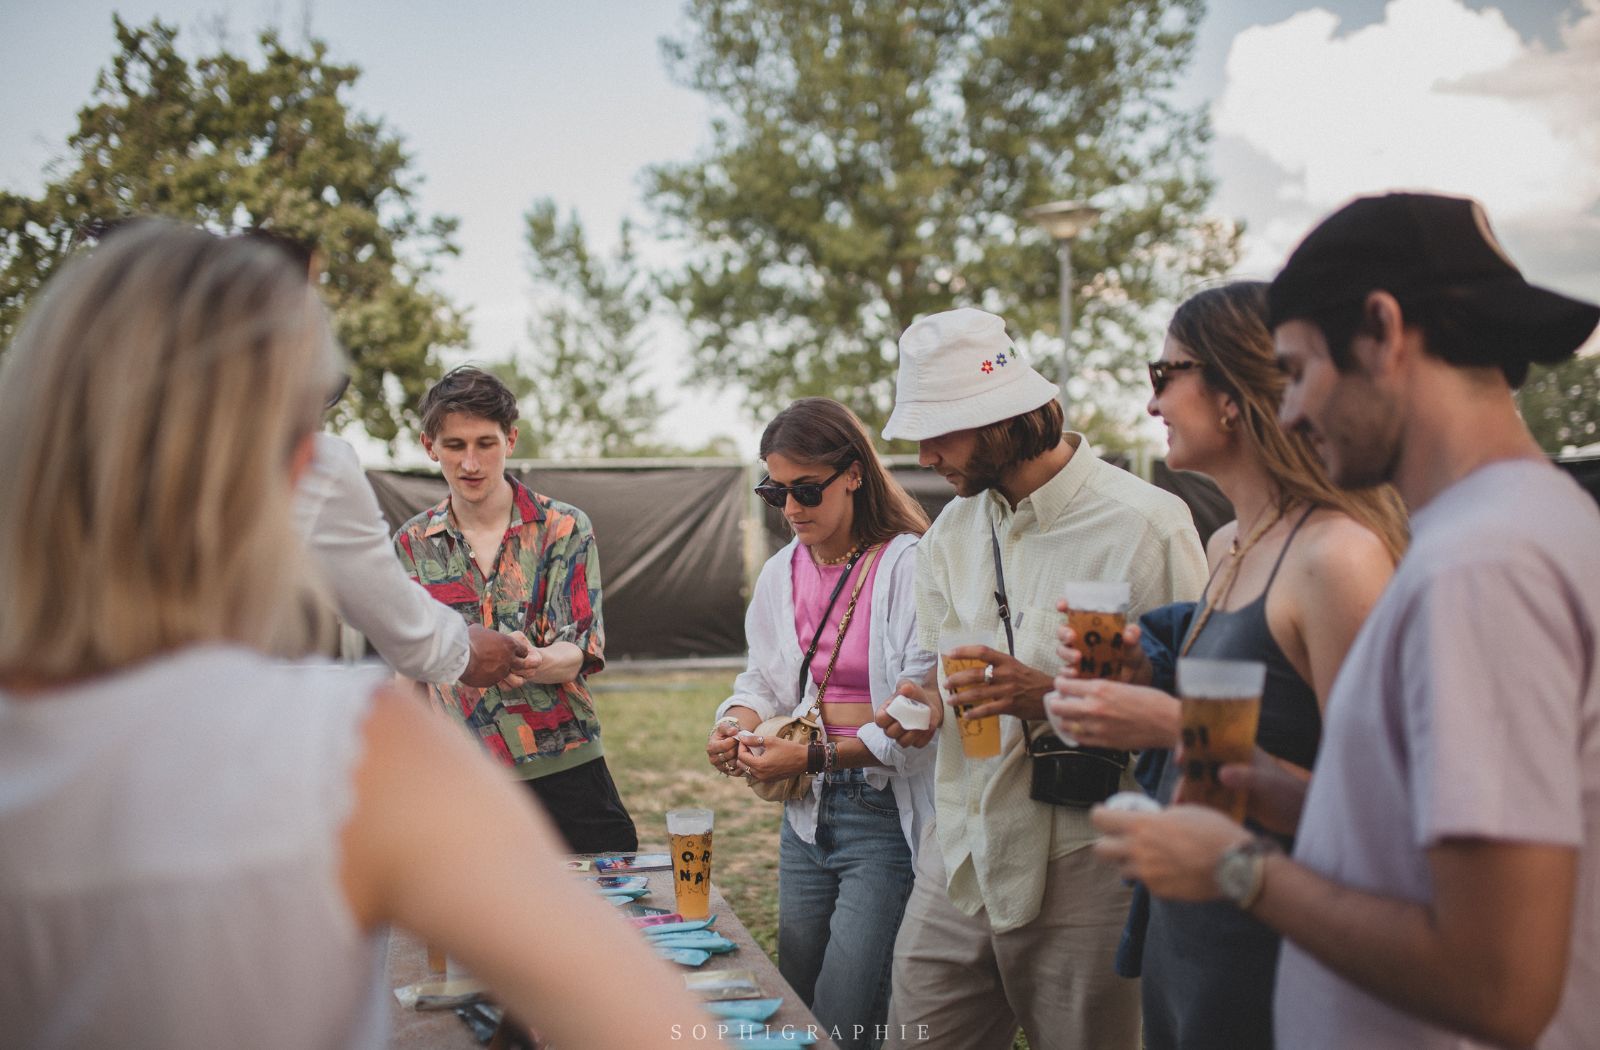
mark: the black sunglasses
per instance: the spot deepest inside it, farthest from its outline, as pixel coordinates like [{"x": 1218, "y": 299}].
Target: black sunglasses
[
  {"x": 807, "y": 494},
  {"x": 1161, "y": 372}
]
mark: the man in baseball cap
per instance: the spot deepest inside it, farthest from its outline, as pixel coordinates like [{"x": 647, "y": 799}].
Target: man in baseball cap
[
  {"x": 1445, "y": 884},
  {"x": 1010, "y": 922}
]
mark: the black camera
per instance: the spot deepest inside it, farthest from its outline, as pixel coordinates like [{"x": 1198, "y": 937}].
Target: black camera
[{"x": 1074, "y": 776}]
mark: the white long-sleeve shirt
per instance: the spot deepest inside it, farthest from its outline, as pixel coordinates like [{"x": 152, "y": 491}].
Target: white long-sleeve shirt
[
  {"x": 767, "y": 686},
  {"x": 337, "y": 514}
]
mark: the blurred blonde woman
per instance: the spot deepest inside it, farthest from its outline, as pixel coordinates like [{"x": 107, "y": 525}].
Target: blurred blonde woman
[
  {"x": 1292, "y": 579},
  {"x": 199, "y": 840}
]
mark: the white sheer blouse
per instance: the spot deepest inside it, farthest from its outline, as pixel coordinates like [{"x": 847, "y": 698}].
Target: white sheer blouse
[{"x": 169, "y": 859}]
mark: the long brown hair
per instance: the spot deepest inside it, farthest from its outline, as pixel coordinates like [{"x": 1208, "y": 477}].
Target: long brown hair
[
  {"x": 1225, "y": 328},
  {"x": 820, "y": 430}
]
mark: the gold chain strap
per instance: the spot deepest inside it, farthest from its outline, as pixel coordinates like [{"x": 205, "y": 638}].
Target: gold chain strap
[{"x": 844, "y": 625}]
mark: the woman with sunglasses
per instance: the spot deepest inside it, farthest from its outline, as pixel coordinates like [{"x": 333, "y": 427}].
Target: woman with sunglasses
[
  {"x": 1292, "y": 580},
  {"x": 846, "y": 847},
  {"x": 203, "y": 842}
]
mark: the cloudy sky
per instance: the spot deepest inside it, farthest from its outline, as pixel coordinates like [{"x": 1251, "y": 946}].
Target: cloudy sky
[{"x": 501, "y": 102}]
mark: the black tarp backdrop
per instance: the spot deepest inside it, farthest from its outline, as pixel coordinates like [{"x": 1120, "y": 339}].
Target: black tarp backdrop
[
  {"x": 671, "y": 539},
  {"x": 1209, "y": 506},
  {"x": 670, "y": 542}
]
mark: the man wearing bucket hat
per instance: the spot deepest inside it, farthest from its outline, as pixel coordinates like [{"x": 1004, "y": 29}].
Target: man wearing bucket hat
[
  {"x": 1010, "y": 922},
  {"x": 1445, "y": 884}
]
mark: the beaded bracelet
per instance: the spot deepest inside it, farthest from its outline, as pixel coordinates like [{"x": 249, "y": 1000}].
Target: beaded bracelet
[{"x": 832, "y": 761}]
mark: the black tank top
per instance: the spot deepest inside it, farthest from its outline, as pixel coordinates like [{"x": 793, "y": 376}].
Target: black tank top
[
  {"x": 1210, "y": 969},
  {"x": 1291, "y": 723}
]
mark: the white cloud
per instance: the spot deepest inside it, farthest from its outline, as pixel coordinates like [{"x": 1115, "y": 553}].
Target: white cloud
[{"x": 1434, "y": 96}]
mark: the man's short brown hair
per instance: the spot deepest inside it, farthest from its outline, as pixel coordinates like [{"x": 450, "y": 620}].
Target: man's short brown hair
[
  {"x": 471, "y": 391},
  {"x": 1011, "y": 441}
]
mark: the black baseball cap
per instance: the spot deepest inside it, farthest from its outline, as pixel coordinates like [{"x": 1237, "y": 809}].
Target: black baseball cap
[{"x": 1421, "y": 246}]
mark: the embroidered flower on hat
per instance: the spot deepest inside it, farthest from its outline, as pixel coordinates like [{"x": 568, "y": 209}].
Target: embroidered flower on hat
[{"x": 934, "y": 392}]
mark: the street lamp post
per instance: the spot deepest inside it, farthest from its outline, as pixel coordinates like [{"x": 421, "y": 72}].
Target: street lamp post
[{"x": 1064, "y": 221}]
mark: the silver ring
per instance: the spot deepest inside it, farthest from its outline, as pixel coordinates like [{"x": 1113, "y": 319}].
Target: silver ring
[{"x": 988, "y": 674}]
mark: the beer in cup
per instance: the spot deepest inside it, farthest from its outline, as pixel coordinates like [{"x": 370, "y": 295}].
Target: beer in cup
[
  {"x": 980, "y": 737},
  {"x": 690, "y": 830},
  {"x": 1221, "y": 705},
  {"x": 1098, "y": 612}
]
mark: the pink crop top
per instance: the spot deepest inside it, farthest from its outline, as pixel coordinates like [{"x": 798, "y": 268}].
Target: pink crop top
[{"x": 813, "y": 583}]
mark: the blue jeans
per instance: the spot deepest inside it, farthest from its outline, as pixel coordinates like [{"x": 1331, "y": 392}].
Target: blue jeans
[{"x": 840, "y": 900}]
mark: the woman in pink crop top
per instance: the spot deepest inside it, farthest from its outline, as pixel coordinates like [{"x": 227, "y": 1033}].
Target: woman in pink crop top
[{"x": 846, "y": 849}]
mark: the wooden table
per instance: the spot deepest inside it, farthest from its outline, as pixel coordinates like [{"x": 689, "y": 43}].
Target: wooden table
[{"x": 443, "y": 1030}]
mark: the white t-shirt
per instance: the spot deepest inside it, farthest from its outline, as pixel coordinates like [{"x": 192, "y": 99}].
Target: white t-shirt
[
  {"x": 169, "y": 859},
  {"x": 344, "y": 530},
  {"x": 1469, "y": 706}
]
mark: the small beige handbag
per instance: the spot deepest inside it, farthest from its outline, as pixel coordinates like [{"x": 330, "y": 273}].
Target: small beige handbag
[{"x": 808, "y": 728}]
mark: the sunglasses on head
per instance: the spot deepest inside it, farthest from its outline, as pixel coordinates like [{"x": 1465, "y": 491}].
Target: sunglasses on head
[
  {"x": 1161, "y": 372},
  {"x": 807, "y": 494}
]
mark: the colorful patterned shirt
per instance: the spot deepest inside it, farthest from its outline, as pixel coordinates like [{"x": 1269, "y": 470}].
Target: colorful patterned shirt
[{"x": 546, "y": 582}]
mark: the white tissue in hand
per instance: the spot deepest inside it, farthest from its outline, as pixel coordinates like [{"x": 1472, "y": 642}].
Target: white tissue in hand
[
  {"x": 1133, "y": 802},
  {"x": 745, "y": 736},
  {"x": 908, "y": 712}
]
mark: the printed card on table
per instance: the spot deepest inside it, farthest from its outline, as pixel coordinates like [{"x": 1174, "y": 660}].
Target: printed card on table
[
  {"x": 626, "y": 862},
  {"x": 622, "y": 883}
]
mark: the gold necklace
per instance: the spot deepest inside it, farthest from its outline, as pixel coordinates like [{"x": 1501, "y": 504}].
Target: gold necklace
[
  {"x": 846, "y": 556},
  {"x": 1236, "y": 553},
  {"x": 1237, "y": 550}
]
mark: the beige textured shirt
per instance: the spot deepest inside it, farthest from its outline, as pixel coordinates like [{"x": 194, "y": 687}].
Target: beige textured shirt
[{"x": 1092, "y": 521}]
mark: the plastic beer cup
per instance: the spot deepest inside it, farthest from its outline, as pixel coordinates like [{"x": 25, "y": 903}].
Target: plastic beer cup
[
  {"x": 690, "y": 831},
  {"x": 1221, "y": 707},
  {"x": 1098, "y": 611},
  {"x": 980, "y": 737}
]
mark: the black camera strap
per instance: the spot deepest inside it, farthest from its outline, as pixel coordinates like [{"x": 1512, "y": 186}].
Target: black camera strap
[
  {"x": 1059, "y": 775},
  {"x": 1000, "y": 593}
]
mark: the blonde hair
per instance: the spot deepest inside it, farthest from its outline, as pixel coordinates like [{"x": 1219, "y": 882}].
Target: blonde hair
[
  {"x": 1225, "y": 328},
  {"x": 150, "y": 407}
]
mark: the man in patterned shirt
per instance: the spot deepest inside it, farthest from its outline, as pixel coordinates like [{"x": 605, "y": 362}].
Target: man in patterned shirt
[{"x": 510, "y": 559}]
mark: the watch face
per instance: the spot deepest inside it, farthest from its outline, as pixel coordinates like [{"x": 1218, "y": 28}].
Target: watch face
[{"x": 1237, "y": 872}]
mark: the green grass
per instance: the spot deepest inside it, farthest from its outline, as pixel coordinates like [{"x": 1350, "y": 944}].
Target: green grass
[{"x": 655, "y": 736}]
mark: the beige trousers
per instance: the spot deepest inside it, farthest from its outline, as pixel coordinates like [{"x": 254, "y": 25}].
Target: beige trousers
[{"x": 961, "y": 986}]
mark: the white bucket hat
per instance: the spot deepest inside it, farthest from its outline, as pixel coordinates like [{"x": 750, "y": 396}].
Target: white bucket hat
[{"x": 959, "y": 371}]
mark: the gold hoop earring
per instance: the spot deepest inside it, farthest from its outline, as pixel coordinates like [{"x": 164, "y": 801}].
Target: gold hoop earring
[{"x": 1227, "y": 424}]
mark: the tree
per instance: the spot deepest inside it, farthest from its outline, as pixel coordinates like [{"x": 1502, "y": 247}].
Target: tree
[
  {"x": 870, "y": 163},
  {"x": 1561, "y": 403},
  {"x": 231, "y": 145},
  {"x": 586, "y": 379}
]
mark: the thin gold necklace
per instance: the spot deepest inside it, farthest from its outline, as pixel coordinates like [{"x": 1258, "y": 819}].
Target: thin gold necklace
[
  {"x": 1235, "y": 548},
  {"x": 1236, "y": 553}
]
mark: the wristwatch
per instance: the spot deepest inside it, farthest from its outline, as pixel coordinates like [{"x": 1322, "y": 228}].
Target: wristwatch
[{"x": 1242, "y": 870}]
